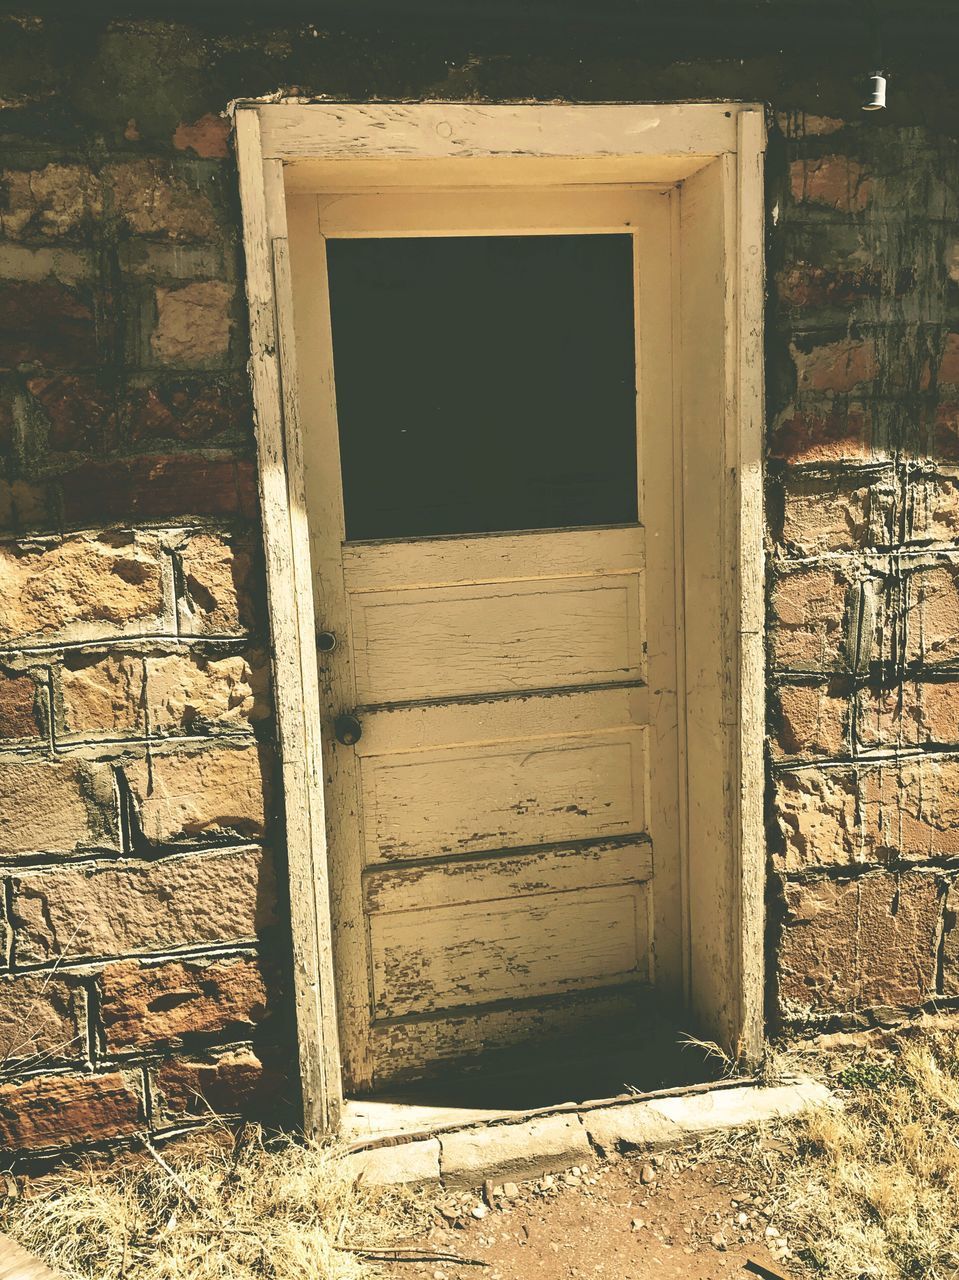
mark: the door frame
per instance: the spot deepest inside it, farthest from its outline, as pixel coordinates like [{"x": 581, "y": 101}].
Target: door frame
[{"x": 713, "y": 153}]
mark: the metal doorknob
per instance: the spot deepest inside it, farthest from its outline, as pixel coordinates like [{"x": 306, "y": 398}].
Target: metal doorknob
[{"x": 348, "y": 730}]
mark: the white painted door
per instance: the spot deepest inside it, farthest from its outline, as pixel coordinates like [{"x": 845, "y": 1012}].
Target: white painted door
[{"x": 492, "y": 520}]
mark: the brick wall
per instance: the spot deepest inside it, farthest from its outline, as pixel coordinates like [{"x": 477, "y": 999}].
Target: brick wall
[{"x": 143, "y": 965}]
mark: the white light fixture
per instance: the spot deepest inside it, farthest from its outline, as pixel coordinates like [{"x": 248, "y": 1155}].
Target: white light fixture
[{"x": 877, "y": 93}]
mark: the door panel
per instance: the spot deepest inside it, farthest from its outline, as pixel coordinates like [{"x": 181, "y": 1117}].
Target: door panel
[
  {"x": 481, "y": 952},
  {"x": 419, "y": 1045},
  {"x": 503, "y": 795},
  {"x": 504, "y": 835},
  {"x": 455, "y": 641},
  {"x": 493, "y": 933}
]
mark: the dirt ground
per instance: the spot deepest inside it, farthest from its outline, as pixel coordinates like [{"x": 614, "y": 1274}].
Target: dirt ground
[{"x": 628, "y": 1220}]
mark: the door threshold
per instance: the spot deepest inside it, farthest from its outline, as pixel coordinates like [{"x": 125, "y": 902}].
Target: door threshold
[
  {"x": 368, "y": 1123},
  {"x": 392, "y": 1143}
]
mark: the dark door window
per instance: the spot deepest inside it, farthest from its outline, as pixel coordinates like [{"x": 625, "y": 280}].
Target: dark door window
[{"x": 484, "y": 383}]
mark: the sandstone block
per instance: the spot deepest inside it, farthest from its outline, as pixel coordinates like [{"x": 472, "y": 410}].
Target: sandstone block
[
  {"x": 81, "y": 587},
  {"x": 838, "y": 182},
  {"x": 122, "y": 908},
  {"x": 52, "y": 1111},
  {"x": 945, "y": 431},
  {"x": 950, "y": 943},
  {"x": 24, "y": 705},
  {"x": 910, "y": 808},
  {"x": 57, "y": 200},
  {"x": 45, "y": 323},
  {"x": 807, "y": 628},
  {"x": 832, "y": 433},
  {"x": 934, "y": 507},
  {"x": 57, "y": 806},
  {"x": 217, "y": 576},
  {"x": 818, "y": 818},
  {"x": 215, "y": 791},
  {"x": 236, "y": 1083},
  {"x": 811, "y": 720},
  {"x": 804, "y": 285},
  {"x": 914, "y": 713},
  {"x": 860, "y": 943},
  {"x": 949, "y": 364},
  {"x": 102, "y": 694},
  {"x": 153, "y": 201},
  {"x": 25, "y": 506},
  {"x": 80, "y": 414},
  {"x": 835, "y": 366},
  {"x": 193, "y": 323},
  {"x": 545, "y": 1145},
  {"x": 190, "y": 410},
  {"x": 208, "y": 137},
  {"x": 837, "y": 516},
  {"x": 198, "y": 693},
  {"x": 38, "y": 1019},
  {"x": 158, "y": 488},
  {"x": 801, "y": 124},
  {"x": 905, "y": 810},
  {"x": 146, "y": 1005},
  {"x": 932, "y": 614}
]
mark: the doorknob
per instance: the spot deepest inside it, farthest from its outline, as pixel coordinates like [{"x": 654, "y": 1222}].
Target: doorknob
[{"x": 348, "y": 730}]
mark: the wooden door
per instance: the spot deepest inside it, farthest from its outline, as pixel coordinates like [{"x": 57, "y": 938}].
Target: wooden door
[{"x": 492, "y": 521}]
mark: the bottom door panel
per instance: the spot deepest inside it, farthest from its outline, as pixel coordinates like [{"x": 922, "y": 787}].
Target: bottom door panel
[{"x": 410, "y": 1048}]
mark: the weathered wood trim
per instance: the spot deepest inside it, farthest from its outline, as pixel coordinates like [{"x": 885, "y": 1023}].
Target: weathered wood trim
[
  {"x": 751, "y": 705},
  {"x": 425, "y": 130},
  {"x": 283, "y": 510}
]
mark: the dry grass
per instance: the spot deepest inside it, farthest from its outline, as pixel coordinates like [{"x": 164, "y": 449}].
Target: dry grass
[
  {"x": 870, "y": 1190},
  {"x": 223, "y": 1211}
]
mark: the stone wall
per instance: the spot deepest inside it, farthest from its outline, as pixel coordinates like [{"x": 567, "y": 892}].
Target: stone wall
[
  {"x": 144, "y": 932},
  {"x": 144, "y": 966},
  {"x": 863, "y": 506}
]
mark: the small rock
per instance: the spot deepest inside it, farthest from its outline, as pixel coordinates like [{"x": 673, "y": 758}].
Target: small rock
[
  {"x": 479, "y": 1211},
  {"x": 772, "y": 1233},
  {"x": 571, "y": 1180},
  {"x": 647, "y": 1174},
  {"x": 718, "y": 1241},
  {"x": 509, "y": 1189},
  {"x": 548, "y": 1182},
  {"x": 576, "y": 1171},
  {"x": 637, "y": 1224},
  {"x": 742, "y": 1219},
  {"x": 658, "y": 1161}
]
